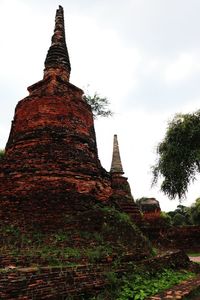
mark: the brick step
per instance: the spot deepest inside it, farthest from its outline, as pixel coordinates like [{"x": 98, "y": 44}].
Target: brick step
[
  {"x": 130, "y": 210},
  {"x": 129, "y": 206}
]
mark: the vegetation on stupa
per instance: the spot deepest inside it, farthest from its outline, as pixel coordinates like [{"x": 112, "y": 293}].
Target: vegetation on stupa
[
  {"x": 99, "y": 105},
  {"x": 2, "y": 153},
  {"x": 103, "y": 233}
]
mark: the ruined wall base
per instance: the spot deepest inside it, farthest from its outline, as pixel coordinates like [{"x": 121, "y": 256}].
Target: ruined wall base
[
  {"x": 185, "y": 237},
  {"x": 80, "y": 281}
]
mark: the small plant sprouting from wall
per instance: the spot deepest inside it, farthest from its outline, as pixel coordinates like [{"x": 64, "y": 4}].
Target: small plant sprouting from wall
[{"x": 2, "y": 153}]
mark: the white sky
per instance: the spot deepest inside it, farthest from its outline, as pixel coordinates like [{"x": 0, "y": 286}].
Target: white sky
[{"x": 144, "y": 55}]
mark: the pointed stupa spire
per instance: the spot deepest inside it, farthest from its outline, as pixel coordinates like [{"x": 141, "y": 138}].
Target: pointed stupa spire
[
  {"x": 116, "y": 165},
  {"x": 57, "y": 56}
]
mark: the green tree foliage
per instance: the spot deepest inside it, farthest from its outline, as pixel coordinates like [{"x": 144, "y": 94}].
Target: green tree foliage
[
  {"x": 166, "y": 218},
  {"x": 195, "y": 212},
  {"x": 140, "y": 200},
  {"x": 181, "y": 216},
  {"x": 178, "y": 220},
  {"x": 179, "y": 155},
  {"x": 184, "y": 215},
  {"x": 99, "y": 105},
  {"x": 185, "y": 212},
  {"x": 2, "y": 153}
]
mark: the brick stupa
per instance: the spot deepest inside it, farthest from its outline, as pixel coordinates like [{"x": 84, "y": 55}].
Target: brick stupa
[
  {"x": 60, "y": 234},
  {"x": 51, "y": 159},
  {"x": 122, "y": 196}
]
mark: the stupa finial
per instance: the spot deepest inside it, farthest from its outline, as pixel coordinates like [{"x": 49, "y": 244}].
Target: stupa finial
[
  {"x": 116, "y": 165},
  {"x": 57, "y": 56}
]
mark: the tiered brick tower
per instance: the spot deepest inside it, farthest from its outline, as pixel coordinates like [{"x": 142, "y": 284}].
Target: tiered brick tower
[
  {"x": 121, "y": 189},
  {"x": 51, "y": 157}
]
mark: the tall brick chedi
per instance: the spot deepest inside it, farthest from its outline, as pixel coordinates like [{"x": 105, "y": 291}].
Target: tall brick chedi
[
  {"x": 51, "y": 154},
  {"x": 53, "y": 193}
]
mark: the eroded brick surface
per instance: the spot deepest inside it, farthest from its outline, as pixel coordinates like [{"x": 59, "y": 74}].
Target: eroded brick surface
[{"x": 51, "y": 156}]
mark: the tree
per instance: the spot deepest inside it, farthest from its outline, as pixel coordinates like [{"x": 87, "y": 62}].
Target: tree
[
  {"x": 195, "y": 212},
  {"x": 166, "y": 218},
  {"x": 140, "y": 200},
  {"x": 179, "y": 220},
  {"x": 184, "y": 215},
  {"x": 179, "y": 155},
  {"x": 99, "y": 105}
]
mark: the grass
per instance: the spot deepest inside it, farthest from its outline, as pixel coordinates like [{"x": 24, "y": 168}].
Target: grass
[
  {"x": 60, "y": 249},
  {"x": 193, "y": 254},
  {"x": 141, "y": 285},
  {"x": 95, "y": 254},
  {"x": 53, "y": 255},
  {"x": 54, "y": 249},
  {"x": 113, "y": 235}
]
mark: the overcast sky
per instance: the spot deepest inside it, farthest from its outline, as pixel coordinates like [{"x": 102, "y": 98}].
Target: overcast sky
[{"x": 144, "y": 55}]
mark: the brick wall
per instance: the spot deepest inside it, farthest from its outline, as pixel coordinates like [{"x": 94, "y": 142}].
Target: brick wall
[
  {"x": 58, "y": 283},
  {"x": 183, "y": 237}
]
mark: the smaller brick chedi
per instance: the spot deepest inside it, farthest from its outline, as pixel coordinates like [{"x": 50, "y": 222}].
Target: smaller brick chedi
[
  {"x": 51, "y": 161},
  {"x": 122, "y": 196}
]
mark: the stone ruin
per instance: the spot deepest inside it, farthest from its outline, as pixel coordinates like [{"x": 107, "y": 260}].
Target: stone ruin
[
  {"x": 150, "y": 207},
  {"x": 51, "y": 163},
  {"x": 50, "y": 181}
]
